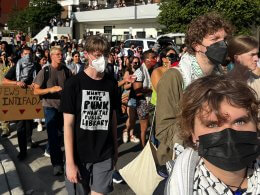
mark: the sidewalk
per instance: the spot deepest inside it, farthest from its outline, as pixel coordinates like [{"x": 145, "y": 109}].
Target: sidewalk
[
  {"x": 9, "y": 180},
  {"x": 33, "y": 176}
]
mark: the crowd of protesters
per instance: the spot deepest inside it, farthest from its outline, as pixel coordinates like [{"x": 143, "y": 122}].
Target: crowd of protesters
[{"x": 207, "y": 123}]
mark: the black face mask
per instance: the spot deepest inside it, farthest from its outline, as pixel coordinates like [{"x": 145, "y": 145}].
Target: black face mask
[
  {"x": 217, "y": 52},
  {"x": 229, "y": 149}
]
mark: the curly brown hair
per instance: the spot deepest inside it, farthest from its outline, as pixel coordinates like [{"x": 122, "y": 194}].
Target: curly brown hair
[
  {"x": 204, "y": 25},
  {"x": 212, "y": 90}
]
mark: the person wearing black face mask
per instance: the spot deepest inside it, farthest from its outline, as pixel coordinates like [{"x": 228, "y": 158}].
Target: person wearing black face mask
[
  {"x": 205, "y": 49},
  {"x": 165, "y": 62},
  {"x": 128, "y": 132},
  {"x": 219, "y": 127}
]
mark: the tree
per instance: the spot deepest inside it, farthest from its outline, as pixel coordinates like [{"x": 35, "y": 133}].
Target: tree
[
  {"x": 176, "y": 14},
  {"x": 36, "y": 16},
  {"x": 17, "y": 20}
]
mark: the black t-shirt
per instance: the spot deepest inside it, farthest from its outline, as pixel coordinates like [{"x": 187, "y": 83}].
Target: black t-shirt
[
  {"x": 11, "y": 74},
  {"x": 92, "y": 103}
]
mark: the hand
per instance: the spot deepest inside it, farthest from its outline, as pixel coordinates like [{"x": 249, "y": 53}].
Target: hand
[
  {"x": 131, "y": 78},
  {"x": 125, "y": 98},
  {"x": 72, "y": 173},
  {"x": 21, "y": 84},
  {"x": 55, "y": 89},
  {"x": 31, "y": 86}
]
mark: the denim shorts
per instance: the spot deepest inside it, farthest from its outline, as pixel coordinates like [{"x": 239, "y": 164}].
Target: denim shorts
[{"x": 131, "y": 103}]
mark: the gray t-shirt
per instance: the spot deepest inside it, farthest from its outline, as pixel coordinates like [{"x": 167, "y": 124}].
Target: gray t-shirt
[{"x": 57, "y": 77}]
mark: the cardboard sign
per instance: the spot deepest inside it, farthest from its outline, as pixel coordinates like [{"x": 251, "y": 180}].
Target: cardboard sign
[{"x": 17, "y": 103}]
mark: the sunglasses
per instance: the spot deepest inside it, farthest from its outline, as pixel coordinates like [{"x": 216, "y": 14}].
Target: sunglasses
[{"x": 171, "y": 55}]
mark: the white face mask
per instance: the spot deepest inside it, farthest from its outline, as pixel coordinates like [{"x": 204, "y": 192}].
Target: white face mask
[
  {"x": 38, "y": 55},
  {"x": 99, "y": 64}
]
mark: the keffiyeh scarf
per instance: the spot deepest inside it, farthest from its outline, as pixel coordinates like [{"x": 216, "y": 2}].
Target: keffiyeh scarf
[{"x": 206, "y": 183}]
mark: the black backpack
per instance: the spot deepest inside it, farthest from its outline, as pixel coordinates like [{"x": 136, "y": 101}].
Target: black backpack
[{"x": 46, "y": 76}]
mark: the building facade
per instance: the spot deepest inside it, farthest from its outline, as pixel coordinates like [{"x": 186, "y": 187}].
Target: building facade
[
  {"x": 8, "y": 6},
  {"x": 119, "y": 19}
]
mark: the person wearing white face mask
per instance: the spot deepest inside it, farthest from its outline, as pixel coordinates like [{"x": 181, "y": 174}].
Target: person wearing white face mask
[
  {"x": 88, "y": 103},
  {"x": 99, "y": 64}
]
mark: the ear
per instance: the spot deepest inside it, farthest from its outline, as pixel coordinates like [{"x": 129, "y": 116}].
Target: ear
[
  {"x": 236, "y": 58},
  {"x": 85, "y": 54},
  {"x": 164, "y": 59},
  {"x": 194, "y": 138}
]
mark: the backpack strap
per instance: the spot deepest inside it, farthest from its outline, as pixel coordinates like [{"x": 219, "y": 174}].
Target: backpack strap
[
  {"x": 67, "y": 72},
  {"x": 46, "y": 76}
]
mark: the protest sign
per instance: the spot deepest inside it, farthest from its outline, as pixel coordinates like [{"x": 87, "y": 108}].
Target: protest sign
[{"x": 17, "y": 103}]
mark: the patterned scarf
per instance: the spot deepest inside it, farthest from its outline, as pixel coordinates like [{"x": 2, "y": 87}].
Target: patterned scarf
[
  {"x": 23, "y": 68},
  {"x": 206, "y": 183},
  {"x": 189, "y": 69},
  {"x": 188, "y": 175}
]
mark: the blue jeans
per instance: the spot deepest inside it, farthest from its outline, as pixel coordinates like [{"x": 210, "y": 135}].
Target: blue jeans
[{"x": 54, "y": 126}]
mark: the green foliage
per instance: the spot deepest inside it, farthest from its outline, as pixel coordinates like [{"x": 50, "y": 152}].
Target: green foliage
[
  {"x": 36, "y": 16},
  {"x": 17, "y": 21},
  {"x": 176, "y": 14}
]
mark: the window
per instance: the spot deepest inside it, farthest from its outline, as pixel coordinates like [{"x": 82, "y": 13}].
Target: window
[
  {"x": 135, "y": 43},
  {"x": 108, "y": 29},
  {"x": 159, "y": 33},
  {"x": 140, "y": 34},
  {"x": 150, "y": 44}
]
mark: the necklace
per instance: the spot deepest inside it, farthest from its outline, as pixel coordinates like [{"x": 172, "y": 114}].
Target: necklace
[{"x": 238, "y": 191}]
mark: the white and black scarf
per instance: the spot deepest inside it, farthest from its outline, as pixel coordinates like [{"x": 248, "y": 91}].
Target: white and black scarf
[
  {"x": 189, "y": 176},
  {"x": 206, "y": 183}
]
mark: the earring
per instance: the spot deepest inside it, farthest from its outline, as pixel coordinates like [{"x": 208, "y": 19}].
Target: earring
[{"x": 196, "y": 144}]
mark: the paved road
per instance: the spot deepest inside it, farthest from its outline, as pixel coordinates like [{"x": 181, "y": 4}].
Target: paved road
[{"x": 36, "y": 171}]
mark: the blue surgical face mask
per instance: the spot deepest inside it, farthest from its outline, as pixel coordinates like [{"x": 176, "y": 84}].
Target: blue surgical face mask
[{"x": 26, "y": 56}]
